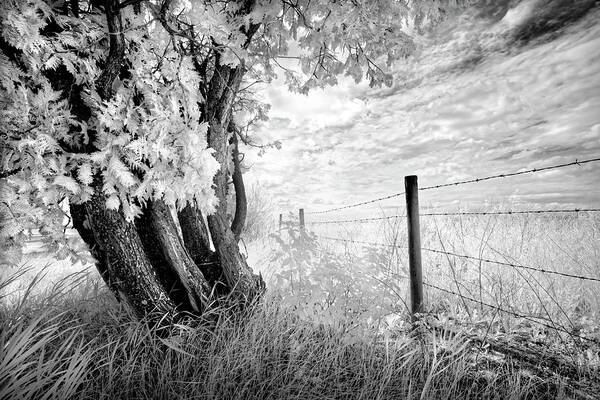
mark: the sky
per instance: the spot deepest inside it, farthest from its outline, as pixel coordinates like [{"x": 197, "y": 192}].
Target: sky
[{"x": 468, "y": 104}]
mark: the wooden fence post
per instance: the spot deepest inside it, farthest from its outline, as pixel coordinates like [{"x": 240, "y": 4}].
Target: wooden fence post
[
  {"x": 414, "y": 244},
  {"x": 301, "y": 217},
  {"x": 280, "y": 221}
]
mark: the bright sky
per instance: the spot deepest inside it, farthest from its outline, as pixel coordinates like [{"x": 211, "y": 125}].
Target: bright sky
[{"x": 466, "y": 106}]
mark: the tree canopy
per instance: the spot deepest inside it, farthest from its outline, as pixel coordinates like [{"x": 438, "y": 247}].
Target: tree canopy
[
  {"x": 148, "y": 137},
  {"x": 124, "y": 110}
]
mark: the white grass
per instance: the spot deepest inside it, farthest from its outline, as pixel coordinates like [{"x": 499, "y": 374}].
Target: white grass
[{"x": 332, "y": 326}]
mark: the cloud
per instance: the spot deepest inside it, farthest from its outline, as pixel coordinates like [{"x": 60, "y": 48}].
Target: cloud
[
  {"x": 522, "y": 108},
  {"x": 331, "y": 106}
]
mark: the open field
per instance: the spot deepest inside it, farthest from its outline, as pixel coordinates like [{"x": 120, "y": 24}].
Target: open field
[
  {"x": 554, "y": 245},
  {"x": 334, "y": 323},
  {"x": 78, "y": 343}
]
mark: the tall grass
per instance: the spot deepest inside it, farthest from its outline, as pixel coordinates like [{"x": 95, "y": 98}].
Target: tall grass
[
  {"x": 75, "y": 342},
  {"x": 332, "y": 326},
  {"x": 565, "y": 244}
]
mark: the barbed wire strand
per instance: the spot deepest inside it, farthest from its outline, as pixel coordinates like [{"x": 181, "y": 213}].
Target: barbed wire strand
[
  {"x": 343, "y": 221},
  {"x": 529, "y": 171},
  {"x": 474, "y": 180},
  {"x": 358, "y": 241},
  {"x": 516, "y": 314},
  {"x": 509, "y": 212},
  {"x": 391, "y": 196},
  {"x": 565, "y": 211},
  {"x": 505, "y": 264}
]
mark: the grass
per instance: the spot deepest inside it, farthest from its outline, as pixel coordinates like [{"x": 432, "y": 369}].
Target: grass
[
  {"x": 332, "y": 326},
  {"x": 74, "y": 341},
  {"x": 564, "y": 244}
]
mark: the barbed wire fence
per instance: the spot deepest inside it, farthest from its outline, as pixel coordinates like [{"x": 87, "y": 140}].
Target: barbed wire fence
[{"x": 414, "y": 247}]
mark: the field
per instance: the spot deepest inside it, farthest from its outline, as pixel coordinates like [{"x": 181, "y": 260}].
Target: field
[{"x": 333, "y": 323}]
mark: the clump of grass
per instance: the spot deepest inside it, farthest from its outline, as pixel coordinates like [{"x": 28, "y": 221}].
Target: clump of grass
[
  {"x": 79, "y": 343},
  {"x": 42, "y": 360}
]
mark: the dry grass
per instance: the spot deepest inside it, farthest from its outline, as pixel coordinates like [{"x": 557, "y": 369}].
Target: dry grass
[
  {"x": 339, "y": 331},
  {"x": 76, "y": 342},
  {"x": 566, "y": 244}
]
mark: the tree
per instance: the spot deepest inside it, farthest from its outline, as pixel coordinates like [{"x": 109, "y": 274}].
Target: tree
[{"x": 124, "y": 110}]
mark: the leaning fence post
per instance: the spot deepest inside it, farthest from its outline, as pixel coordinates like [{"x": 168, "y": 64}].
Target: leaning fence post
[
  {"x": 301, "y": 218},
  {"x": 414, "y": 244}
]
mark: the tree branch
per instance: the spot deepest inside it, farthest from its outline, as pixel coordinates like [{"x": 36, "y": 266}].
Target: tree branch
[
  {"x": 241, "y": 203},
  {"x": 10, "y": 172},
  {"x": 126, "y": 3},
  {"x": 116, "y": 53}
]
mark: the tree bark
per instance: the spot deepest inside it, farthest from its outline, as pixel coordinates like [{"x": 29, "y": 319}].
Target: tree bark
[
  {"x": 241, "y": 204},
  {"x": 129, "y": 269},
  {"x": 78, "y": 217},
  {"x": 164, "y": 229},
  {"x": 197, "y": 242},
  {"x": 116, "y": 53},
  {"x": 223, "y": 87}
]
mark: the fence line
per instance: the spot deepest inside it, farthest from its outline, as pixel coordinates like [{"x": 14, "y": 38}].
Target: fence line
[
  {"x": 509, "y": 212},
  {"x": 414, "y": 246},
  {"x": 505, "y": 264},
  {"x": 391, "y": 196},
  {"x": 513, "y": 313},
  {"x": 563, "y": 211},
  {"x": 475, "y": 180},
  {"x": 518, "y": 315},
  {"x": 343, "y": 221},
  {"x": 530, "y": 171},
  {"x": 501, "y": 263},
  {"x": 359, "y": 242}
]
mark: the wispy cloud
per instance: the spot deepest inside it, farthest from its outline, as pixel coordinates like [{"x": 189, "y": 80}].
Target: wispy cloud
[{"x": 446, "y": 119}]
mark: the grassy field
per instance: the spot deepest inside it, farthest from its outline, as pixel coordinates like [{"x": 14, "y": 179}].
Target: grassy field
[
  {"x": 543, "y": 248},
  {"x": 333, "y": 324}
]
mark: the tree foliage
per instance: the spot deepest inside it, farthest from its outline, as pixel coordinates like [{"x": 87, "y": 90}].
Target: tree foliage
[{"x": 131, "y": 103}]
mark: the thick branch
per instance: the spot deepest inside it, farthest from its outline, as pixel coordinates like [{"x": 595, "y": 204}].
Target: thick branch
[
  {"x": 128, "y": 266},
  {"x": 197, "y": 242},
  {"x": 178, "y": 259},
  {"x": 78, "y": 216},
  {"x": 241, "y": 204},
  {"x": 116, "y": 53}
]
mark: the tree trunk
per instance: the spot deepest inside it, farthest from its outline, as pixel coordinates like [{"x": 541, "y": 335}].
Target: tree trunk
[
  {"x": 126, "y": 262},
  {"x": 223, "y": 88},
  {"x": 197, "y": 242},
  {"x": 78, "y": 217},
  {"x": 166, "y": 251},
  {"x": 192, "y": 279},
  {"x": 241, "y": 205},
  {"x": 148, "y": 265}
]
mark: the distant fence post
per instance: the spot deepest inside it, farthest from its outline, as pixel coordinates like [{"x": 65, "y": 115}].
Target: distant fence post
[
  {"x": 414, "y": 244},
  {"x": 301, "y": 218},
  {"x": 280, "y": 221}
]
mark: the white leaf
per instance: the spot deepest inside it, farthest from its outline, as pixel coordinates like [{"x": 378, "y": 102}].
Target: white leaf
[
  {"x": 85, "y": 174},
  {"x": 68, "y": 183},
  {"x": 113, "y": 202},
  {"x": 121, "y": 172}
]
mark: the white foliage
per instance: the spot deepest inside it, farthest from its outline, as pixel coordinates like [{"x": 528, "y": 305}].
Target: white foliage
[
  {"x": 84, "y": 174},
  {"x": 68, "y": 183},
  {"x": 120, "y": 172},
  {"x": 113, "y": 202},
  {"x": 149, "y": 141}
]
